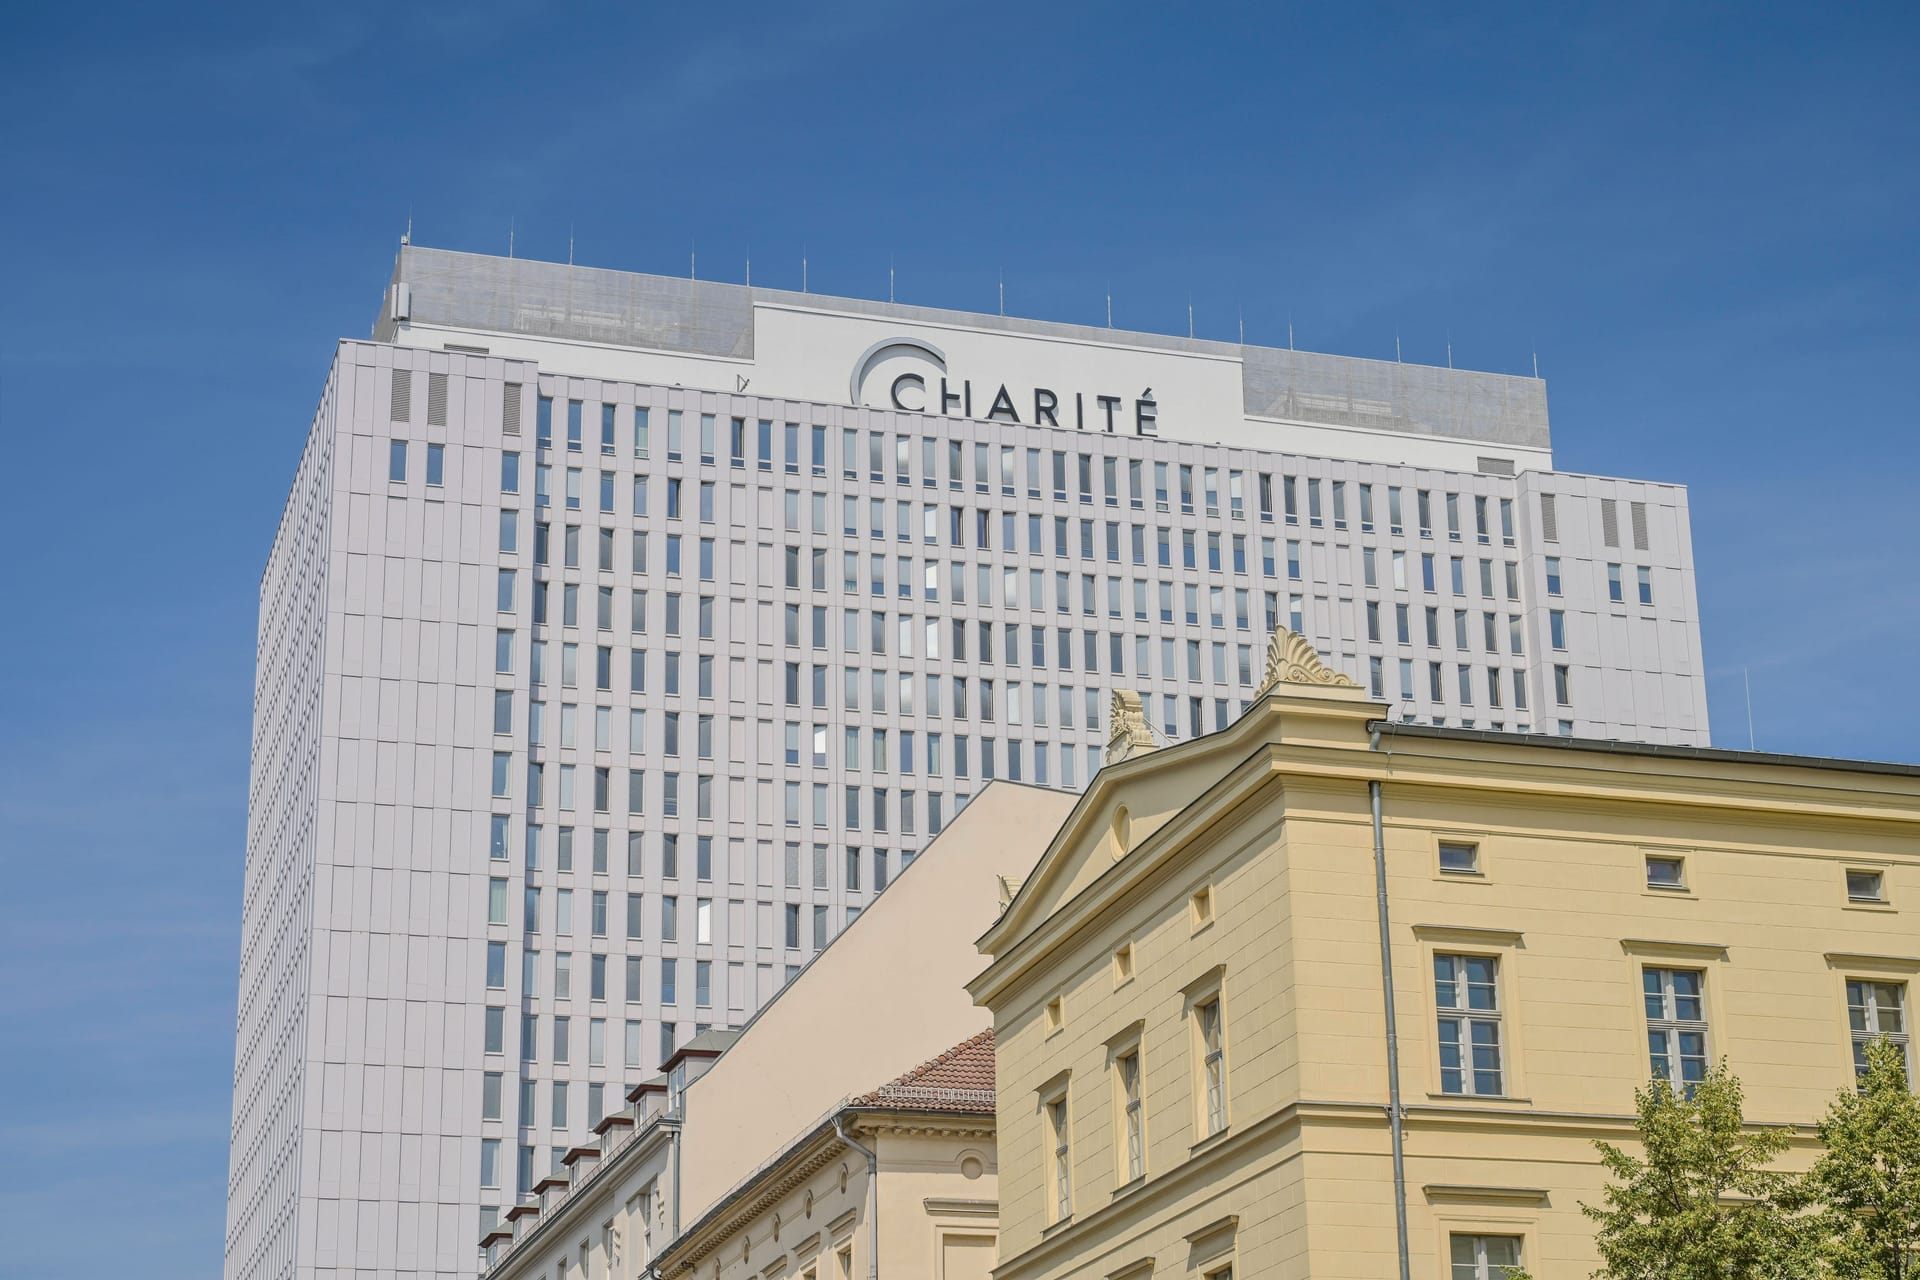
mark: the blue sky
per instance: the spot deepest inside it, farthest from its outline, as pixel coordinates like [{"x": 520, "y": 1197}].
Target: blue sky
[{"x": 1701, "y": 218}]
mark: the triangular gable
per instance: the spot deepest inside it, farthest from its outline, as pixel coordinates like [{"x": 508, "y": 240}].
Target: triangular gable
[{"x": 1154, "y": 787}]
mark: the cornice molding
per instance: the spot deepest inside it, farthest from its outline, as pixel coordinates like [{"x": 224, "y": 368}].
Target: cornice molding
[
  {"x": 956, "y": 1207},
  {"x": 1683, "y": 950},
  {"x": 1483, "y": 935},
  {"x": 1600, "y": 777},
  {"x": 1442, "y": 1193},
  {"x": 707, "y": 1237},
  {"x": 1214, "y": 1239},
  {"x": 1863, "y": 960}
]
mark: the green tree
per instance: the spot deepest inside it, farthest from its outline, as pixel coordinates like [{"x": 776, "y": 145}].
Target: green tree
[
  {"x": 1701, "y": 1202},
  {"x": 1868, "y": 1180}
]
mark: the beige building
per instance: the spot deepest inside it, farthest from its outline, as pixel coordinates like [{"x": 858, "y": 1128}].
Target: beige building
[
  {"x": 740, "y": 1128},
  {"x": 899, "y": 1182},
  {"x": 1203, "y": 1074}
]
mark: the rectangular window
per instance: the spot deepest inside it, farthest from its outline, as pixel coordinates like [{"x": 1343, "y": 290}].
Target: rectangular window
[
  {"x": 1466, "y": 991},
  {"x": 1459, "y": 857},
  {"x": 1062, "y": 1141},
  {"x": 1876, "y": 1010},
  {"x": 1866, "y": 886},
  {"x": 1676, "y": 1025},
  {"x": 1211, "y": 1029},
  {"x": 397, "y": 461},
  {"x": 1484, "y": 1257},
  {"x": 1666, "y": 873},
  {"x": 1133, "y": 1149}
]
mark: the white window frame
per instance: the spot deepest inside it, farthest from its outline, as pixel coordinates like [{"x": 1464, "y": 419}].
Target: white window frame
[
  {"x": 1464, "y": 1017},
  {"x": 1866, "y": 1029},
  {"x": 1483, "y": 1269},
  {"x": 1657, "y": 984}
]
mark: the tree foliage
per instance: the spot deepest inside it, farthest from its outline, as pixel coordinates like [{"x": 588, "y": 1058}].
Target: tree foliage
[
  {"x": 1867, "y": 1182},
  {"x": 1701, "y": 1202}
]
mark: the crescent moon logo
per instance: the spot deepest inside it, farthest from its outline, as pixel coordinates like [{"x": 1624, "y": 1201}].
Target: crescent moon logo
[{"x": 890, "y": 347}]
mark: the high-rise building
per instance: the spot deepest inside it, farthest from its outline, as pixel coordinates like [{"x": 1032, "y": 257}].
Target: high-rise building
[{"x": 623, "y": 635}]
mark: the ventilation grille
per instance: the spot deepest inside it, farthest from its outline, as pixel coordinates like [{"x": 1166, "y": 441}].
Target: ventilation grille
[
  {"x": 1638, "y": 510},
  {"x": 1549, "y": 519},
  {"x": 402, "y": 407},
  {"x": 510, "y": 408},
  {"x": 436, "y": 399},
  {"x": 1609, "y": 522},
  {"x": 1496, "y": 466}
]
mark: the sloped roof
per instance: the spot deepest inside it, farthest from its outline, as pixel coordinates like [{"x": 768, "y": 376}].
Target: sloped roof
[{"x": 961, "y": 1079}]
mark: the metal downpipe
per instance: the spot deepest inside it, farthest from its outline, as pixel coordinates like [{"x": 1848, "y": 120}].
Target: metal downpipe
[
  {"x": 873, "y": 1193},
  {"x": 1395, "y": 1113}
]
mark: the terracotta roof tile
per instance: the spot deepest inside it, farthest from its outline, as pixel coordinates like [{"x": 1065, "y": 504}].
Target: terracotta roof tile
[{"x": 961, "y": 1079}]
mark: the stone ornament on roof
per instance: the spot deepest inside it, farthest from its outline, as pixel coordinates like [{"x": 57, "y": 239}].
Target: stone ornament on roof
[
  {"x": 1130, "y": 734},
  {"x": 1291, "y": 660}
]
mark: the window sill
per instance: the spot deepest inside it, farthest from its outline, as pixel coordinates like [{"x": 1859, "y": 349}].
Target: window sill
[
  {"x": 1495, "y": 1098},
  {"x": 1213, "y": 1139},
  {"x": 1057, "y": 1226},
  {"x": 1465, "y": 877},
  {"x": 1668, "y": 891},
  {"x": 1868, "y": 904},
  {"x": 1128, "y": 1188}
]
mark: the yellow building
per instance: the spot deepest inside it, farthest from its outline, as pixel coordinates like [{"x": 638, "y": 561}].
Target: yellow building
[{"x": 1195, "y": 1072}]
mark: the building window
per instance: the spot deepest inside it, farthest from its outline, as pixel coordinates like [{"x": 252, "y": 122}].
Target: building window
[
  {"x": 1676, "y": 1025},
  {"x": 1058, "y": 1131},
  {"x": 1210, "y": 1028},
  {"x": 397, "y": 461},
  {"x": 1876, "y": 1009},
  {"x": 1126, "y": 1080},
  {"x": 1484, "y": 1257},
  {"x": 1866, "y": 886},
  {"x": 1666, "y": 872},
  {"x": 1459, "y": 857},
  {"x": 1466, "y": 991}
]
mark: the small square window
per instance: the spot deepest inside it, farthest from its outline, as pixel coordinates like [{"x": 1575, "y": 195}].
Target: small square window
[
  {"x": 1123, "y": 964},
  {"x": 1866, "y": 886},
  {"x": 1202, "y": 908},
  {"x": 1459, "y": 857},
  {"x": 1666, "y": 873},
  {"x": 1056, "y": 1015}
]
